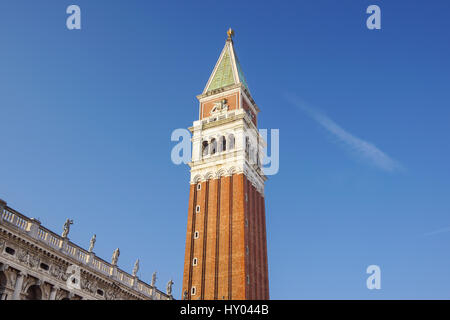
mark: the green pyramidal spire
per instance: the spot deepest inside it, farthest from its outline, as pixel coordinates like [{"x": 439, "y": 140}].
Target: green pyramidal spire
[
  {"x": 227, "y": 71},
  {"x": 223, "y": 76}
]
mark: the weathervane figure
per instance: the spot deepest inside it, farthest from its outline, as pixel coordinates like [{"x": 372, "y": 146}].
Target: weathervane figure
[{"x": 230, "y": 33}]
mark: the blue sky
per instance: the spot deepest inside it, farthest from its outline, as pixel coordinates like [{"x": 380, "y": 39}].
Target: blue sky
[{"x": 86, "y": 119}]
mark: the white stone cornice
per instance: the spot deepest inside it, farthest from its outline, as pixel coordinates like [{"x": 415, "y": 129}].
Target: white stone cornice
[{"x": 215, "y": 171}]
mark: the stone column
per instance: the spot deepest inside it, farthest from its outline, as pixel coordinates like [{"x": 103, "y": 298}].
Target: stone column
[
  {"x": 134, "y": 282},
  {"x": 2, "y": 206},
  {"x": 53, "y": 293},
  {"x": 34, "y": 228},
  {"x": 63, "y": 244},
  {"x": 18, "y": 286},
  {"x": 3, "y": 268},
  {"x": 90, "y": 258},
  {"x": 113, "y": 273}
]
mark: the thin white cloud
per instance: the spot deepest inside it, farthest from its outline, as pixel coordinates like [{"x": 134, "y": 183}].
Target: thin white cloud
[
  {"x": 363, "y": 149},
  {"x": 432, "y": 233}
]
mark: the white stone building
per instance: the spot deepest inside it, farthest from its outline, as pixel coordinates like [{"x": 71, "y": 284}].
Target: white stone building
[{"x": 38, "y": 264}]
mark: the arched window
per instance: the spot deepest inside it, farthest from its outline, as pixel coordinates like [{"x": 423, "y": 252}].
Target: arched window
[
  {"x": 34, "y": 293},
  {"x": 247, "y": 147},
  {"x": 213, "y": 146},
  {"x": 205, "y": 148},
  {"x": 223, "y": 143},
  {"x": 231, "y": 142}
]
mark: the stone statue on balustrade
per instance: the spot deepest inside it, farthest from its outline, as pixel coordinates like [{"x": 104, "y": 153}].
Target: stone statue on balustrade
[
  {"x": 66, "y": 228},
  {"x": 154, "y": 279},
  {"x": 115, "y": 257},
  {"x": 92, "y": 244},
  {"x": 169, "y": 287},
  {"x": 136, "y": 268}
]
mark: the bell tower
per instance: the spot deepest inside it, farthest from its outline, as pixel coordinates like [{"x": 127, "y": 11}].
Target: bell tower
[{"x": 226, "y": 248}]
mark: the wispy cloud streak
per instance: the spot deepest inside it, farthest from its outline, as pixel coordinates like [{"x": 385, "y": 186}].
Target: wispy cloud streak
[
  {"x": 432, "y": 233},
  {"x": 363, "y": 149}
]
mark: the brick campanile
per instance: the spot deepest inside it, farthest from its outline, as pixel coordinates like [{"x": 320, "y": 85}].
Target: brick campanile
[{"x": 226, "y": 248}]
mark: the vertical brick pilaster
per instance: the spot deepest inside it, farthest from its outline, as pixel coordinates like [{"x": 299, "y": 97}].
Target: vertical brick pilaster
[
  {"x": 238, "y": 286},
  {"x": 218, "y": 252},
  {"x": 224, "y": 238},
  {"x": 261, "y": 247},
  {"x": 187, "y": 272},
  {"x": 211, "y": 237},
  {"x": 230, "y": 238},
  {"x": 204, "y": 231},
  {"x": 254, "y": 278},
  {"x": 258, "y": 245},
  {"x": 265, "y": 259},
  {"x": 247, "y": 236},
  {"x": 198, "y": 220}
]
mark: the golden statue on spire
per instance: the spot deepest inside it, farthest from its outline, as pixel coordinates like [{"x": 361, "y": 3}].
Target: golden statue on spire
[{"x": 230, "y": 33}]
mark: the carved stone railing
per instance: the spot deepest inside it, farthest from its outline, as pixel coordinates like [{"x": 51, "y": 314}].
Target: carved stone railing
[
  {"x": 17, "y": 220},
  {"x": 33, "y": 228}
]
